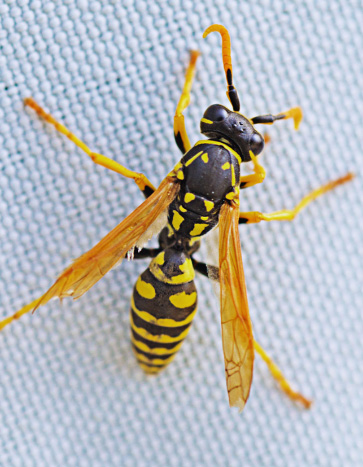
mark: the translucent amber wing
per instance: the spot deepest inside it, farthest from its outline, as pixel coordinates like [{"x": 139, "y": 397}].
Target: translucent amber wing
[
  {"x": 85, "y": 271},
  {"x": 236, "y": 324}
]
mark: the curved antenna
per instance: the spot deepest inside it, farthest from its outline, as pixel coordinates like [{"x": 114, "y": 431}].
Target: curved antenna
[{"x": 227, "y": 62}]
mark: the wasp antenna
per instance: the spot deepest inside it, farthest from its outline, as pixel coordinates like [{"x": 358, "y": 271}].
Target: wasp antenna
[{"x": 227, "y": 63}]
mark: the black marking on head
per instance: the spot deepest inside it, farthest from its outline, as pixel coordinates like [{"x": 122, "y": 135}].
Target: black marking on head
[
  {"x": 234, "y": 127},
  {"x": 216, "y": 113},
  {"x": 257, "y": 143}
]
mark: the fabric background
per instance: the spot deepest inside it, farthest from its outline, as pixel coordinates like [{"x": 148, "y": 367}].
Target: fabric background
[{"x": 71, "y": 392}]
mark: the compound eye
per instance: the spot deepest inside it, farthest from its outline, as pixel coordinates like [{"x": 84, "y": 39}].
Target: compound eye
[
  {"x": 215, "y": 113},
  {"x": 257, "y": 143}
]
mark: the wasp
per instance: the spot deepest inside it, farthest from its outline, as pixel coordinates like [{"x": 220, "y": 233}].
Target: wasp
[{"x": 199, "y": 194}]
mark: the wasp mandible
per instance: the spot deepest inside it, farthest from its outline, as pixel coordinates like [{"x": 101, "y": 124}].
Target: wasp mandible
[{"x": 201, "y": 192}]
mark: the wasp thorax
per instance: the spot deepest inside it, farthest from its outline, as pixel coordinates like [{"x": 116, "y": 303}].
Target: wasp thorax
[{"x": 220, "y": 123}]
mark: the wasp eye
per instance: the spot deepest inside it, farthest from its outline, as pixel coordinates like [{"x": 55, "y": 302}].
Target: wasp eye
[
  {"x": 215, "y": 113},
  {"x": 257, "y": 143}
]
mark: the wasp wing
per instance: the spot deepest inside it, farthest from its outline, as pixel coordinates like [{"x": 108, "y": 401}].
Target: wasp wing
[
  {"x": 89, "y": 268},
  {"x": 237, "y": 335}
]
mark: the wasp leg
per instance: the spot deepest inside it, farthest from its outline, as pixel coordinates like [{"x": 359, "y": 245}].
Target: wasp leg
[
  {"x": 295, "y": 113},
  {"x": 206, "y": 270},
  {"x": 254, "y": 217},
  {"x": 144, "y": 253},
  {"x": 280, "y": 378},
  {"x": 180, "y": 134},
  {"x": 258, "y": 175},
  {"x": 140, "y": 179},
  {"x": 267, "y": 138},
  {"x": 18, "y": 314}
]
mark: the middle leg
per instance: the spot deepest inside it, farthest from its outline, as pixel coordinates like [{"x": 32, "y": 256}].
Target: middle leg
[
  {"x": 254, "y": 217},
  {"x": 140, "y": 179}
]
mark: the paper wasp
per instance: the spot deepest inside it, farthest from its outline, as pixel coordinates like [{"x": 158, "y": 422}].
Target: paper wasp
[{"x": 199, "y": 194}]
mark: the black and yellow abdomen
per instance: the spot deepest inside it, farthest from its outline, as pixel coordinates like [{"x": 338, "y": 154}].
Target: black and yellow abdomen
[{"x": 163, "y": 305}]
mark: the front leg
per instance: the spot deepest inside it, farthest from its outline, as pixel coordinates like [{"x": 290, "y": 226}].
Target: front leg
[
  {"x": 180, "y": 133},
  {"x": 258, "y": 175}
]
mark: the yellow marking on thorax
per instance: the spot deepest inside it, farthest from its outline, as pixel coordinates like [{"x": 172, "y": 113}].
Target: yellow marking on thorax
[
  {"x": 186, "y": 269},
  {"x": 178, "y": 171},
  {"x": 204, "y": 218},
  {"x": 192, "y": 159},
  {"x": 209, "y": 205},
  {"x": 166, "y": 322},
  {"x": 205, "y": 120},
  {"x": 177, "y": 220},
  {"x": 233, "y": 179},
  {"x": 154, "y": 350},
  {"x": 163, "y": 338},
  {"x": 183, "y": 300},
  {"x": 198, "y": 229},
  {"x": 182, "y": 209},
  {"x": 219, "y": 143},
  {"x": 144, "y": 289},
  {"x": 226, "y": 166},
  {"x": 205, "y": 158},
  {"x": 189, "y": 197}
]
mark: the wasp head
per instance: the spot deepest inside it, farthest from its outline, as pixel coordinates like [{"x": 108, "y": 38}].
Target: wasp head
[{"x": 230, "y": 127}]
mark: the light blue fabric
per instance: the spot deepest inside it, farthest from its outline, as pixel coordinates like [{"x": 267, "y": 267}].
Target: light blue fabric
[{"x": 71, "y": 392}]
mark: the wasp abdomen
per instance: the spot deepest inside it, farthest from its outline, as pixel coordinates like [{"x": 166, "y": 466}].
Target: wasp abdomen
[{"x": 163, "y": 305}]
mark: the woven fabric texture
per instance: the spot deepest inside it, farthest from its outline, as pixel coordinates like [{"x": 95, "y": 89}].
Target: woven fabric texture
[{"x": 71, "y": 393}]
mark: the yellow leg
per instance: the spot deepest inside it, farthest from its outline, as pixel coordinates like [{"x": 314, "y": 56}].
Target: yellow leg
[
  {"x": 258, "y": 175},
  {"x": 19, "y": 313},
  {"x": 294, "y": 113},
  {"x": 140, "y": 179},
  {"x": 180, "y": 133},
  {"x": 254, "y": 217},
  {"x": 278, "y": 375}
]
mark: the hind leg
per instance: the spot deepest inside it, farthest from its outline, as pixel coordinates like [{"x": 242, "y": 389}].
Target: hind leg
[{"x": 280, "y": 378}]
